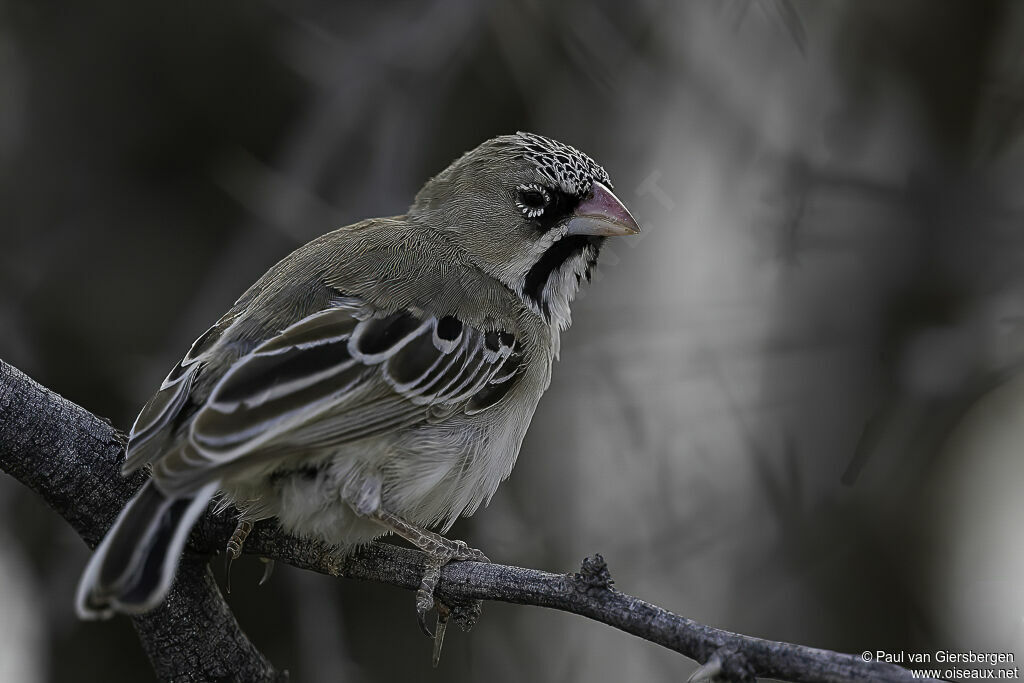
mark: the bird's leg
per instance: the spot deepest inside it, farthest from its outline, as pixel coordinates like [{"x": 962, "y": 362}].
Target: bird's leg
[
  {"x": 431, "y": 543},
  {"x": 234, "y": 547}
]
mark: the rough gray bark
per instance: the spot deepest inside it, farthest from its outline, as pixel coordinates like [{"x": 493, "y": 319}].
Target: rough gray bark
[
  {"x": 71, "y": 458},
  {"x": 61, "y": 451}
]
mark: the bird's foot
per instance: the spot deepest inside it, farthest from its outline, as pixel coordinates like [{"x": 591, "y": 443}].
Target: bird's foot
[{"x": 440, "y": 551}]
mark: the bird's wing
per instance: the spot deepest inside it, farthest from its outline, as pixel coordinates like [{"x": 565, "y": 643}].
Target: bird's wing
[
  {"x": 336, "y": 376},
  {"x": 173, "y": 403}
]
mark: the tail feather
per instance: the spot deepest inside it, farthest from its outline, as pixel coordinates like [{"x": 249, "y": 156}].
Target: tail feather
[{"x": 133, "y": 567}]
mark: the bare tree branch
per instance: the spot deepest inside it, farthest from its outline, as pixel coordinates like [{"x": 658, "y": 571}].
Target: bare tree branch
[{"x": 71, "y": 458}]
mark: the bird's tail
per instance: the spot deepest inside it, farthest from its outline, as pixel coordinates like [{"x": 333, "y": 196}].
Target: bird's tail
[{"x": 133, "y": 567}]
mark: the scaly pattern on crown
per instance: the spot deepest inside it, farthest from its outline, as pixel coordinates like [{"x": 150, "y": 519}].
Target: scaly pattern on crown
[{"x": 566, "y": 167}]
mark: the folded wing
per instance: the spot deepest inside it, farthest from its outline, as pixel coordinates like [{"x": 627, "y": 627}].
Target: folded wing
[{"x": 333, "y": 377}]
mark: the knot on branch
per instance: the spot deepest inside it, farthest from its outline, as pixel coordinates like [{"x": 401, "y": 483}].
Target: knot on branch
[
  {"x": 594, "y": 576},
  {"x": 466, "y": 613},
  {"x": 725, "y": 665}
]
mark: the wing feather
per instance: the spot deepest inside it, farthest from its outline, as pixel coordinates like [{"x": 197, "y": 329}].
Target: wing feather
[
  {"x": 154, "y": 427},
  {"x": 335, "y": 377}
]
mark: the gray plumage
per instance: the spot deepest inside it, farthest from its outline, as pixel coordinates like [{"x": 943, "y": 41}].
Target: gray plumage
[{"x": 394, "y": 364}]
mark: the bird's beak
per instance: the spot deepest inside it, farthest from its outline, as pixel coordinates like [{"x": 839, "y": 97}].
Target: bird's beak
[{"x": 601, "y": 214}]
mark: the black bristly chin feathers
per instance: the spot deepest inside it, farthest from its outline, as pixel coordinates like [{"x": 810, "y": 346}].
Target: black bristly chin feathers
[{"x": 558, "y": 255}]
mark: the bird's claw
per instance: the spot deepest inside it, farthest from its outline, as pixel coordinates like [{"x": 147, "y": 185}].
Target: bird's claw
[
  {"x": 709, "y": 672},
  {"x": 268, "y": 569},
  {"x": 442, "y": 623},
  {"x": 425, "y": 602},
  {"x": 228, "y": 559},
  {"x": 723, "y": 665},
  {"x": 425, "y": 594}
]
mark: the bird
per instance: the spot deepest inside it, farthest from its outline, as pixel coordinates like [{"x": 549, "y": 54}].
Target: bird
[{"x": 380, "y": 378}]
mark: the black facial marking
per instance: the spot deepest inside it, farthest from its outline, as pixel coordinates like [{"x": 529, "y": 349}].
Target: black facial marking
[
  {"x": 594, "y": 254},
  {"x": 560, "y": 206},
  {"x": 553, "y": 259}
]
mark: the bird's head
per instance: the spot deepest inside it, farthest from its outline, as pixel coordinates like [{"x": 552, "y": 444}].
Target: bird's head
[{"x": 530, "y": 211}]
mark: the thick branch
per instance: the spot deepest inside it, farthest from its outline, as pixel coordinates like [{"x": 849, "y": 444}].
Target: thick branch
[
  {"x": 71, "y": 458},
  {"x": 63, "y": 452}
]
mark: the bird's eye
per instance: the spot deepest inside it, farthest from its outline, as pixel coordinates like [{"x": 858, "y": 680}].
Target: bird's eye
[{"x": 532, "y": 199}]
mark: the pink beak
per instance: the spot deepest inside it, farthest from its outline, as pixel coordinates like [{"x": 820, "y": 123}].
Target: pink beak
[{"x": 602, "y": 214}]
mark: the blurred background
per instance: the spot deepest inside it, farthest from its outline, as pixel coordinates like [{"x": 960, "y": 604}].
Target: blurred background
[{"x": 791, "y": 409}]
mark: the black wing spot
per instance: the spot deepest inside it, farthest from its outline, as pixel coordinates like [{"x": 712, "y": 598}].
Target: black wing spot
[
  {"x": 380, "y": 334},
  {"x": 491, "y": 341},
  {"x": 507, "y": 339},
  {"x": 449, "y": 328}
]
